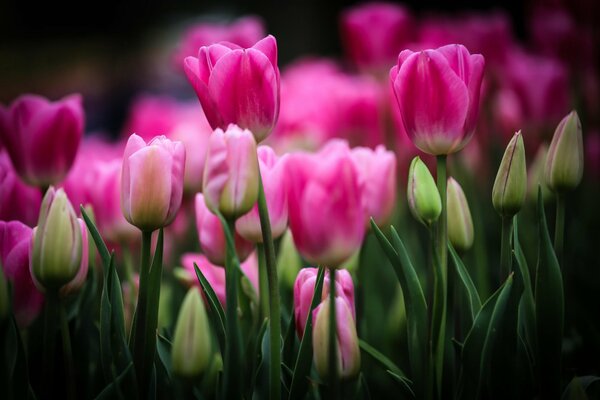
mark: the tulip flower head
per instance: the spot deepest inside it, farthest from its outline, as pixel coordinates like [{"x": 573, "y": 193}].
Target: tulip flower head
[
  {"x": 423, "y": 196},
  {"x": 564, "y": 163},
  {"x": 510, "y": 186},
  {"x": 438, "y": 96},
  {"x": 460, "y": 223}
]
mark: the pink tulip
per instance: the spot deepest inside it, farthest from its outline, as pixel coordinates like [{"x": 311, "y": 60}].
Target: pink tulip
[
  {"x": 78, "y": 281},
  {"x": 438, "y": 96},
  {"x": 215, "y": 275},
  {"x": 18, "y": 202},
  {"x": 152, "y": 181},
  {"x": 374, "y": 33},
  {"x": 231, "y": 173},
  {"x": 237, "y": 86},
  {"x": 212, "y": 236},
  {"x": 150, "y": 116},
  {"x": 42, "y": 137},
  {"x": 27, "y": 300},
  {"x": 272, "y": 170},
  {"x": 377, "y": 171},
  {"x": 304, "y": 288},
  {"x": 326, "y": 213}
]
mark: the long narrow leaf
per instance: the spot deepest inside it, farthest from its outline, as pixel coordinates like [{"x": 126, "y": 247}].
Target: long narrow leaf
[
  {"x": 467, "y": 283},
  {"x": 385, "y": 362},
  {"x": 100, "y": 245},
  {"x": 216, "y": 314}
]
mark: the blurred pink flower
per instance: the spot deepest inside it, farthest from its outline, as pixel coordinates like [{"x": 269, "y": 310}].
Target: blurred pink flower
[{"x": 18, "y": 202}]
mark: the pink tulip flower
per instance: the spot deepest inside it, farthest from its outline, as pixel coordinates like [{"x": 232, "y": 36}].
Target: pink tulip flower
[
  {"x": 152, "y": 181},
  {"x": 272, "y": 170},
  {"x": 231, "y": 173},
  {"x": 215, "y": 275},
  {"x": 438, "y": 96},
  {"x": 15, "y": 242},
  {"x": 42, "y": 137},
  {"x": 212, "y": 236},
  {"x": 326, "y": 212},
  {"x": 18, "y": 202},
  {"x": 304, "y": 287},
  {"x": 237, "y": 86}
]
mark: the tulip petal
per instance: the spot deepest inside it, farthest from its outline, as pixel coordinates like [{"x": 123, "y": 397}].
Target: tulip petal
[
  {"x": 134, "y": 143},
  {"x": 195, "y": 72}
]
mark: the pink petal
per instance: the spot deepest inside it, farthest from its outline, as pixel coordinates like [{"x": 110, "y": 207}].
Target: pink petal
[{"x": 193, "y": 70}]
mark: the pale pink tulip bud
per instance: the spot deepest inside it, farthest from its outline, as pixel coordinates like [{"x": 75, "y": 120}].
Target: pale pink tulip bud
[
  {"x": 212, "y": 236},
  {"x": 438, "y": 96},
  {"x": 152, "y": 181},
  {"x": 304, "y": 288},
  {"x": 377, "y": 171},
  {"x": 15, "y": 250},
  {"x": 326, "y": 212},
  {"x": 230, "y": 183},
  {"x": 272, "y": 169},
  {"x": 237, "y": 86},
  {"x": 348, "y": 352},
  {"x": 18, "y": 202},
  {"x": 42, "y": 137}
]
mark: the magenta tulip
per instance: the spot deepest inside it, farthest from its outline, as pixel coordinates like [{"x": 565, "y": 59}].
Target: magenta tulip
[
  {"x": 438, "y": 96},
  {"x": 15, "y": 242},
  {"x": 304, "y": 287},
  {"x": 237, "y": 86},
  {"x": 272, "y": 170},
  {"x": 18, "y": 202},
  {"x": 212, "y": 236},
  {"x": 326, "y": 213},
  {"x": 42, "y": 137},
  {"x": 152, "y": 181}
]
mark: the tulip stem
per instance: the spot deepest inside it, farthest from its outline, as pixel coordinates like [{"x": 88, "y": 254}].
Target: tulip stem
[
  {"x": 50, "y": 318},
  {"x": 263, "y": 284},
  {"x": 506, "y": 248},
  {"x": 274, "y": 312},
  {"x": 559, "y": 228},
  {"x": 67, "y": 352},
  {"x": 334, "y": 390},
  {"x": 441, "y": 277}
]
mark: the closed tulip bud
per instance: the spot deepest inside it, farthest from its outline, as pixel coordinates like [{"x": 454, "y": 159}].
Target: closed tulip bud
[
  {"x": 57, "y": 242},
  {"x": 79, "y": 280},
  {"x": 460, "y": 223},
  {"x": 230, "y": 183},
  {"x": 423, "y": 196},
  {"x": 348, "y": 352},
  {"x": 152, "y": 181},
  {"x": 564, "y": 164},
  {"x": 192, "y": 349},
  {"x": 289, "y": 262},
  {"x": 510, "y": 186}
]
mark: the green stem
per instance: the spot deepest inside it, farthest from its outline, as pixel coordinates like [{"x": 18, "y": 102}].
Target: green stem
[
  {"x": 505, "y": 249},
  {"x": 334, "y": 389},
  {"x": 67, "y": 352},
  {"x": 263, "y": 284},
  {"x": 559, "y": 228},
  {"x": 274, "y": 311},
  {"x": 440, "y": 278},
  {"x": 50, "y": 318}
]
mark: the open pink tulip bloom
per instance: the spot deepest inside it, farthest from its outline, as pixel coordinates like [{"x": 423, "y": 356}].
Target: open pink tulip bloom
[
  {"x": 237, "y": 86},
  {"x": 438, "y": 96},
  {"x": 42, "y": 137},
  {"x": 152, "y": 181},
  {"x": 17, "y": 200}
]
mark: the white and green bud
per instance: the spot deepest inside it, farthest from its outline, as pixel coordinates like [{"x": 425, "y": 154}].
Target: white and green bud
[
  {"x": 460, "y": 224},
  {"x": 510, "y": 186},
  {"x": 564, "y": 163}
]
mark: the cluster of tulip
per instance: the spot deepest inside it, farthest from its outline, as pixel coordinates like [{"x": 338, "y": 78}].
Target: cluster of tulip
[{"x": 320, "y": 190}]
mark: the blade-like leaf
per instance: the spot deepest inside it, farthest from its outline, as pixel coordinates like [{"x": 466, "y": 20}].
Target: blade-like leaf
[
  {"x": 385, "y": 362},
  {"x": 576, "y": 389},
  {"x": 216, "y": 313},
  {"x": 467, "y": 283},
  {"x": 402, "y": 382},
  {"x": 100, "y": 245},
  {"x": 112, "y": 390}
]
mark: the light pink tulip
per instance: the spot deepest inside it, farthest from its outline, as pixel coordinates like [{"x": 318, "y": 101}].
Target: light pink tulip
[
  {"x": 272, "y": 170},
  {"x": 438, "y": 96},
  {"x": 150, "y": 116},
  {"x": 152, "y": 181},
  {"x": 18, "y": 202},
  {"x": 42, "y": 137},
  {"x": 79, "y": 280},
  {"x": 374, "y": 33},
  {"x": 377, "y": 171},
  {"x": 304, "y": 287},
  {"x": 27, "y": 300},
  {"x": 212, "y": 236},
  {"x": 230, "y": 183},
  {"x": 326, "y": 213},
  {"x": 237, "y": 86},
  {"x": 215, "y": 275}
]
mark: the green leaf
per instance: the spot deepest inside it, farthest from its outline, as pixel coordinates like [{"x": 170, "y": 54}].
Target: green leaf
[
  {"x": 289, "y": 342},
  {"x": 163, "y": 348},
  {"x": 549, "y": 308},
  {"x": 113, "y": 389},
  {"x": 467, "y": 283},
  {"x": 17, "y": 379},
  {"x": 216, "y": 314},
  {"x": 402, "y": 382},
  {"x": 100, "y": 245},
  {"x": 577, "y": 388},
  {"x": 299, "y": 384},
  {"x": 385, "y": 362}
]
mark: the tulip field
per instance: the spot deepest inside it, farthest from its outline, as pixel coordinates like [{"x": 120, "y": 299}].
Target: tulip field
[{"x": 413, "y": 218}]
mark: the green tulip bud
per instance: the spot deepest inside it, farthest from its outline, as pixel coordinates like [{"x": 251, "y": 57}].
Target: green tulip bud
[
  {"x": 564, "y": 164},
  {"x": 423, "y": 197},
  {"x": 57, "y": 242},
  {"x": 460, "y": 224},
  {"x": 510, "y": 186},
  {"x": 288, "y": 260},
  {"x": 192, "y": 348}
]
